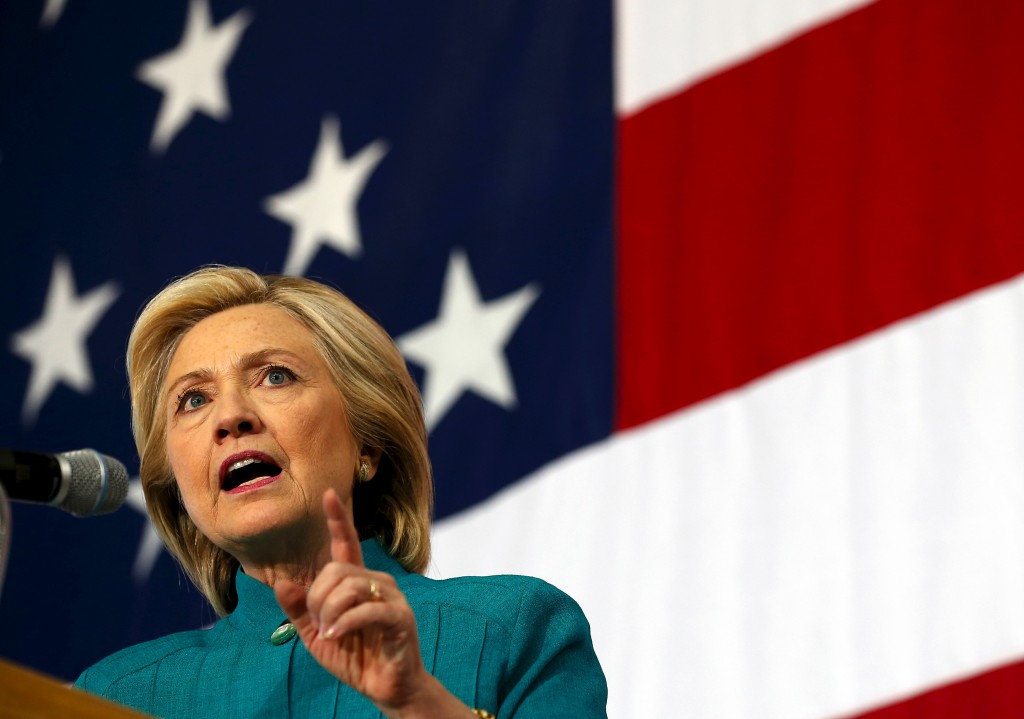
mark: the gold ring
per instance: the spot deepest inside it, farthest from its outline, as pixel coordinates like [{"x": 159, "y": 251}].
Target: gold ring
[{"x": 374, "y": 591}]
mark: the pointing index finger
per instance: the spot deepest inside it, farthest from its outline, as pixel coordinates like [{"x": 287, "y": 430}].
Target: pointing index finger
[{"x": 344, "y": 537}]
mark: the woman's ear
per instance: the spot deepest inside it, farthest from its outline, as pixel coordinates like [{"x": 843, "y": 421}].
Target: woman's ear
[{"x": 370, "y": 455}]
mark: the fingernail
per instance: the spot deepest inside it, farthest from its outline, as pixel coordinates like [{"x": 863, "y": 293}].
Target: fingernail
[{"x": 329, "y": 634}]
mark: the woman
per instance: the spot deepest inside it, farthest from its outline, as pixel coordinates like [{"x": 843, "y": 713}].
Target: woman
[{"x": 284, "y": 463}]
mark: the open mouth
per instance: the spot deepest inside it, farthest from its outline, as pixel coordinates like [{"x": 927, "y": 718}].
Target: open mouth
[{"x": 248, "y": 472}]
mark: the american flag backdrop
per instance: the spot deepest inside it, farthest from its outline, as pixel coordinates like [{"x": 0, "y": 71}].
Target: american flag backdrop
[{"x": 716, "y": 307}]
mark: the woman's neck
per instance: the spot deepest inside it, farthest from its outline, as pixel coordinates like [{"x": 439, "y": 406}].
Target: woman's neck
[{"x": 273, "y": 559}]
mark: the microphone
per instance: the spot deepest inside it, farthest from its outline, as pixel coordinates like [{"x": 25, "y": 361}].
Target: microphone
[{"x": 82, "y": 482}]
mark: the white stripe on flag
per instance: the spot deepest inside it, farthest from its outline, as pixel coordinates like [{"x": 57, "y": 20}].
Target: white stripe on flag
[
  {"x": 663, "y": 46},
  {"x": 844, "y": 532}
]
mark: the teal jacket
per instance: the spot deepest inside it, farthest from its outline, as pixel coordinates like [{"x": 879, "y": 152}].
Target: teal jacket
[{"x": 515, "y": 646}]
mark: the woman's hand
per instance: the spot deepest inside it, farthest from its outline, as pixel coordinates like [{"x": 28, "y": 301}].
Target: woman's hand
[{"x": 359, "y": 626}]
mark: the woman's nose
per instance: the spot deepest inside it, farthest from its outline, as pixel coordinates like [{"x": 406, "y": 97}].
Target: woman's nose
[{"x": 237, "y": 417}]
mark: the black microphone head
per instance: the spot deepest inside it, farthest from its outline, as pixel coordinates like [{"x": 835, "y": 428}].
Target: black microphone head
[{"x": 95, "y": 483}]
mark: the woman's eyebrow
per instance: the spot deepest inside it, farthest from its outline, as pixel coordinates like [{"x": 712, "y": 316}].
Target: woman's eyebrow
[
  {"x": 244, "y": 362},
  {"x": 193, "y": 377},
  {"x": 259, "y": 357}
]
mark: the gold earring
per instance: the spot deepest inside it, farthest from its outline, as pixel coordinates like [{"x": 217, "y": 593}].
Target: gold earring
[{"x": 364, "y": 472}]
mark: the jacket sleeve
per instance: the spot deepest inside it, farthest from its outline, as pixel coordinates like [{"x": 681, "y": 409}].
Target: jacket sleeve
[{"x": 552, "y": 667}]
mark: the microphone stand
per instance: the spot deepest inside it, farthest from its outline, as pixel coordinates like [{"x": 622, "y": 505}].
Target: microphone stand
[{"x": 5, "y": 534}]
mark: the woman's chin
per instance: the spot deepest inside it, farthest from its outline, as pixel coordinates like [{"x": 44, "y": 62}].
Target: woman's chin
[{"x": 265, "y": 525}]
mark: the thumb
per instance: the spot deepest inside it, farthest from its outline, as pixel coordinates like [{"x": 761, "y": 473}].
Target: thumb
[{"x": 292, "y": 598}]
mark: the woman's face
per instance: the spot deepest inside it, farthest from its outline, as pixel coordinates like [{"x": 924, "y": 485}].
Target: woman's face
[{"x": 256, "y": 432}]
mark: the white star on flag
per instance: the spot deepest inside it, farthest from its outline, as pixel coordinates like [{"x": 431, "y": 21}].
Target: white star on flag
[
  {"x": 192, "y": 76},
  {"x": 150, "y": 543},
  {"x": 464, "y": 348},
  {"x": 51, "y": 13},
  {"x": 55, "y": 343},
  {"x": 322, "y": 208}
]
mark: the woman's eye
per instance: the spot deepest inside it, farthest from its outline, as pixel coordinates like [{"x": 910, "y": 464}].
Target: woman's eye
[
  {"x": 191, "y": 400},
  {"x": 278, "y": 376}
]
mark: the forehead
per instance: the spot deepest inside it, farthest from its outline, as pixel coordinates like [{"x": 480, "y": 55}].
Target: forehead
[{"x": 237, "y": 331}]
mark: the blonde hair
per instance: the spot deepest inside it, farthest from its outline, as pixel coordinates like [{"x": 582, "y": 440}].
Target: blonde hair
[{"x": 381, "y": 398}]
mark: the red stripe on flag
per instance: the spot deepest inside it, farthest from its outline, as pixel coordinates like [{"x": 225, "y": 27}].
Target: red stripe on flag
[
  {"x": 998, "y": 694},
  {"x": 861, "y": 173}
]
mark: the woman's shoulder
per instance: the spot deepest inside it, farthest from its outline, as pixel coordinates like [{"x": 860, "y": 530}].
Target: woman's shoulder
[
  {"x": 487, "y": 589},
  {"x": 506, "y": 600},
  {"x": 528, "y": 640},
  {"x": 142, "y": 657}
]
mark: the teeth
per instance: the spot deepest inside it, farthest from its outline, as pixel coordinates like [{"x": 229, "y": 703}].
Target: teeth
[{"x": 241, "y": 463}]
